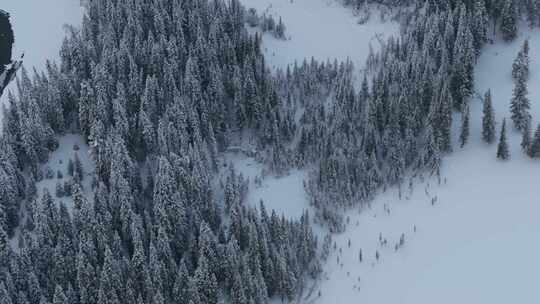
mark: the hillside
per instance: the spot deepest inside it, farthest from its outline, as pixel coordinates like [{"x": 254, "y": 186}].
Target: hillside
[{"x": 271, "y": 151}]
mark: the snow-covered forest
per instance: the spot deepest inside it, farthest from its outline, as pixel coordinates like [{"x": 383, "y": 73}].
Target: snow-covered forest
[{"x": 256, "y": 151}]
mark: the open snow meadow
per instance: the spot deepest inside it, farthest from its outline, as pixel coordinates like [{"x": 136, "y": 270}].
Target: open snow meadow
[
  {"x": 173, "y": 158},
  {"x": 322, "y": 29}
]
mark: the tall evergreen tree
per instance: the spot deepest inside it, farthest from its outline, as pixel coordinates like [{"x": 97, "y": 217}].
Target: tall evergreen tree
[
  {"x": 520, "y": 67},
  {"x": 509, "y": 20},
  {"x": 488, "y": 120},
  {"x": 534, "y": 149},
  {"x": 526, "y": 139},
  {"x": 502, "y": 149},
  {"x": 520, "y": 105},
  {"x": 465, "y": 122}
]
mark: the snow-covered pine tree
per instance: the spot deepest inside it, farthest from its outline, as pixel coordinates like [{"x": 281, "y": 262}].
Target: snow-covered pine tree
[
  {"x": 534, "y": 149},
  {"x": 465, "y": 126},
  {"x": 526, "y": 139},
  {"x": 503, "y": 152},
  {"x": 480, "y": 20},
  {"x": 520, "y": 104},
  {"x": 520, "y": 67},
  {"x": 509, "y": 20},
  {"x": 488, "y": 119}
]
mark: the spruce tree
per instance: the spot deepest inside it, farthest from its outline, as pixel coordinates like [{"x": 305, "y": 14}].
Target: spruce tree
[
  {"x": 534, "y": 149},
  {"x": 526, "y": 139},
  {"x": 465, "y": 122},
  {"x": 520, "y": 104},
  {"x": 520, "y": 67},
  {"x": 502, "y": 150},
  {"x": 488, "y": 120},
  {"x": 509, "y": 21}
]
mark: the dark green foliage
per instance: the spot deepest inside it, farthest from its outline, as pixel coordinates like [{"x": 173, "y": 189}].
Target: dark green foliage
[
  {"x": 488, "y": 119},
  {"x": 534, "y": 148},
  {"x": 465, "y": 126},
  {"x": 503, "y": 152},
  {"x": 509, "y": 20},
  {"x": 520, "y": 104}
]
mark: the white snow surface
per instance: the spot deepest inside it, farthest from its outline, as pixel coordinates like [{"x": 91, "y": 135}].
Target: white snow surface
[
  {"x": 284, "y": 194},
  {"x": 322, "y": 29}
]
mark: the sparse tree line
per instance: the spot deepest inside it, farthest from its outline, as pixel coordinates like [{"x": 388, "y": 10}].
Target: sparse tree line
[
  {"x": 519, "y": 112},
  {"x": 266, "y": 23}
]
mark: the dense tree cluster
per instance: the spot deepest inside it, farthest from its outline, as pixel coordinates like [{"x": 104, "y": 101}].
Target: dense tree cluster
[
  {"x": 401, "y": 118},
  {"x": 158, "y": 88}
]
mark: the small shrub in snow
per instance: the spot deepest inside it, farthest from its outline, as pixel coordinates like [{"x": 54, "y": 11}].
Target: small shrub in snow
[{"x": 76, "y": 147}]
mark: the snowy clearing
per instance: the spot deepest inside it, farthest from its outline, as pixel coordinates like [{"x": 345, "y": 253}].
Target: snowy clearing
[
  {"x": 58, "y": 162},
  {"x": 322, "y": 29},
  {"x": 338, "y": 37},
  {"x": 284, "y": 194}
]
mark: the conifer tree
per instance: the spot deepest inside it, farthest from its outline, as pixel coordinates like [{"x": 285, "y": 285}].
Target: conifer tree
[
  {"x": 488, "y": 120},
  {"x": 502, "y": 150},
  {"x": 520, "y": 104},
  {"x": 534, "y": 150},
  {"x": 509, "y": 21},
  {"x": 520, "y": 67},
  {"x": 526, "y": 139},
  {"x": 465, "y": 122}
]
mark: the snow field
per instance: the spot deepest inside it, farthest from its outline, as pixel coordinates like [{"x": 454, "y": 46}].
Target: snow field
[
  {"x": 322, "y": 29},
  {"x": 476, "y": 244}
]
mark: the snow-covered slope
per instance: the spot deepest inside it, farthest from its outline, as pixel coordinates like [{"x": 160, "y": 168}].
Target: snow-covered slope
[
  {"x": 322, "y": 29},
  {"x": 477, "y": 243}
]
